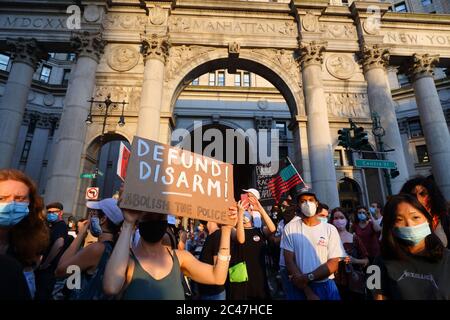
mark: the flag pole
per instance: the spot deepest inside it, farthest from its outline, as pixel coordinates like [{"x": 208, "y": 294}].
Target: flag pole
[
  {"x": 295, "y": 168},
  {"x": 297, "y": 171}
]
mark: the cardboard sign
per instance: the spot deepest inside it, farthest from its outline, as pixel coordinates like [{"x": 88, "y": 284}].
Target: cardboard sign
[
  {"x": 263, "y": 176},
  {"x": 122, "y": 162},
  {"x": 92, "y": 193},
  {"x": 169, "y": 180}
]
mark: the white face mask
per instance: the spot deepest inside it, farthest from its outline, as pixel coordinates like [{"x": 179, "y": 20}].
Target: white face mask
[{"x": 309, "y": 208}]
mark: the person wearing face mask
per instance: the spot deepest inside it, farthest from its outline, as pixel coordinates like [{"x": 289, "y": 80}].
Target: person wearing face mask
[
  {"x": 105, "y": 219},
  {"x": 23, "y": 233},
  {"x": 414, "y": 263},
  {"x": 430, "y": 196},
  {"x": 368, "y": 230},
  {"x": 251, "y": 248},
  {"x": 152, "y": 271},
  {"x": 350, "y": 278},
  {"x": 59, "y": 241},
  {"x": 312, "y": 251},
  {"x": 322, "y": 212}
]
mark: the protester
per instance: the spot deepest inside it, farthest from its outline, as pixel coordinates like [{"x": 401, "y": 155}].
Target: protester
[
  {"x": 414, "y": 263},
  {"x": 322, "y": 212},
  {"x": 350, "y": 277},
  {"x": 72, "y": 226},
  {"x": 376, "y": 211},
  {"x": 288, "y": 215},
  {"x": 45, "y": 276},
  {"x": 13, "y": 283},
  {"x": 208, "y": 255},
  {"x": 251, "y": 248},
  {"x": 151, "y": 271},
  {"x": 23, "y": 233},
  {"x": 429, "y": 195},
  {"x": 105, "y": 219},
  {"x": 367, "y": 229},
  {"x": 312, "y": 251}
]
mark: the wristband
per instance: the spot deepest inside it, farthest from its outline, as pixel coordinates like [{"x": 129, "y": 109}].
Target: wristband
[{"x": 223, "y": 258}]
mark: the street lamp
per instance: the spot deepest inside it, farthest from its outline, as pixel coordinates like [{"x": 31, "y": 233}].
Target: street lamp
[
  {"x": 108, "y": 105},
  {"x": 378, "y": 131}
]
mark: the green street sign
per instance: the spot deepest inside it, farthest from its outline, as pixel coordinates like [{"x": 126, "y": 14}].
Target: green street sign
[
  {"x": 381, "y": 164},
  {"x": 87, "y": 175}
]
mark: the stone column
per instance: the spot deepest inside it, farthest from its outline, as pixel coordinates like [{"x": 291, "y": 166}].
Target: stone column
[
  {"x": 69, "y": 142},
  {"x": 25, "y": 55},
  {"x": 155, "y": 50},
  {"x": 432, "y": 119},
  {"x": 37, "y": 149},
  {"x": 375, "y": 62},
  {"x": 323, "y": 173}
]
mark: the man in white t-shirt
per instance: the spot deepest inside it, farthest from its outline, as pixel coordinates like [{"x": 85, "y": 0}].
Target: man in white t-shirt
[{"x": 312, "y": 251}]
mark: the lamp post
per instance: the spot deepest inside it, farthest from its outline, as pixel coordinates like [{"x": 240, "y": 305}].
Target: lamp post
[
  {"x": 378, "y": 131},
  {"x": 107, "y": 105}
]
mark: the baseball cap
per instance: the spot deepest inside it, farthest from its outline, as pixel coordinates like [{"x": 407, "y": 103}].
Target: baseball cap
[
  {"x": 109, "y": 207},
  {"x": 254, "y": 192},
  {"x": 307, "y": 191}
]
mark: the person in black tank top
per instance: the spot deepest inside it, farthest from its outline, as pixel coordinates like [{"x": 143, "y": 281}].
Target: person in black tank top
[{"x": 152, "y": 271}]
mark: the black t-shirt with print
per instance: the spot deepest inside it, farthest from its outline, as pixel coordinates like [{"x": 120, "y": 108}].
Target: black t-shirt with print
[{"x": 415, "y": 278}]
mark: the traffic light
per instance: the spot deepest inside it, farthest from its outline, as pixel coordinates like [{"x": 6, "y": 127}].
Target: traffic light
[
  {"x": 344, "y": 138},
  {"x": 360, "y": 138},
  {"x": 394, "y": 173}
]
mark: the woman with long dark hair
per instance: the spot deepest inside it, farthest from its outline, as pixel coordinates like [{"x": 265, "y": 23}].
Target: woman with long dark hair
[
  {"x": 23, "y": 233},
  {"x": 429, "y": 195},
  {"x": 414, "y": 264}
]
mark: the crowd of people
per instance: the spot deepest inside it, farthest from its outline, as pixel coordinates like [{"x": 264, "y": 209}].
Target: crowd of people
[{"x": 313, "y": 252}]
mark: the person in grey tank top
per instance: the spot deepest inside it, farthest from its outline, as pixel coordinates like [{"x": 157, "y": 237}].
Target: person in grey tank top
[{"x": 151, "y": 271}]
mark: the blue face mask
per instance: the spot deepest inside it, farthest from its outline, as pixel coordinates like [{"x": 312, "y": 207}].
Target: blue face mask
[
  {"x": 372, "y": 210},
  {"x": 323, "y": 219},
  {"x": 257, "y": 222},
  {"x": 95, "y": 227},
  {"x": 362, "y": 216},
  {"x": 11, "y": 213},
  {"x": 52, "y": 217},
  {"x": 413, "y": 234}
]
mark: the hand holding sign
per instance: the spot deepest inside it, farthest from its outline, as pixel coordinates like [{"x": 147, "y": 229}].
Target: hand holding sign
[
  {"x": 169, "y": 180},
  {"x": 131, "y": 216}
]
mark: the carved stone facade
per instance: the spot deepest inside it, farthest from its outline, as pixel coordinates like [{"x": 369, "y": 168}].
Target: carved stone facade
[
  {"x": 340, "y": 66},
  {"x": 284, "y": 59},
  {"x": 375, "y": 56},
  {"x": 312, "y": 53},
  {"x": 88, "y": 44},
  {"x": 182, "y": 55},
  {"x": 41, "y": 120},
  {"x": 423, "y": 65},
  {"x": 155, "y": 47},
  {"x": 130, "y": 94},
  {"x": 26, "y": 50},
  {"x": 123, "y": 58},
  {"x": 345, "y": 105}
]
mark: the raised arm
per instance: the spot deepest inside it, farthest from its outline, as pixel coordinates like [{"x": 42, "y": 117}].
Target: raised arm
[
  {"x": 116, "y": 268},
  {"x": 240, "y": 233},
  {"x": 266, "y": 218},
  {"x": 203, "y": 272},
  {"x": 376, "y": 225},
  {"x": 84, "y": 258}
]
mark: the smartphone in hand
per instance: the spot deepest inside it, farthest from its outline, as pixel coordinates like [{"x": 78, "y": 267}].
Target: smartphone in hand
[{"x": 244, "y": 201}]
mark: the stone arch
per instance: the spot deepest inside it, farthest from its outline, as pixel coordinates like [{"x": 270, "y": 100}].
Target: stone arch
[
  {"x": 88, "y": 163},
  {"x": 350, "y": 193},
  {"x": 267, "y": 63}
]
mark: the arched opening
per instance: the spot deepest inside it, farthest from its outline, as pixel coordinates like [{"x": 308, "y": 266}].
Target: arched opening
[
  {"x": 108, "y": 182},
  {"x": 349, "y": 194},
  {"x": 253, "y": 97}
]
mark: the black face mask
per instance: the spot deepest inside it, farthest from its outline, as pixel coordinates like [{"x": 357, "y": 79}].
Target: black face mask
[{"x": 152, "y": 231}]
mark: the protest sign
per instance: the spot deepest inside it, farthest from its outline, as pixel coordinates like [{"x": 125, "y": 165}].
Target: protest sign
[{"x": 169, "y": 180}]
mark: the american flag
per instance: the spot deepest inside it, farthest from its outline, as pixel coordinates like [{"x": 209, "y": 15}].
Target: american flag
[{"x": 284, "y": 181}]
